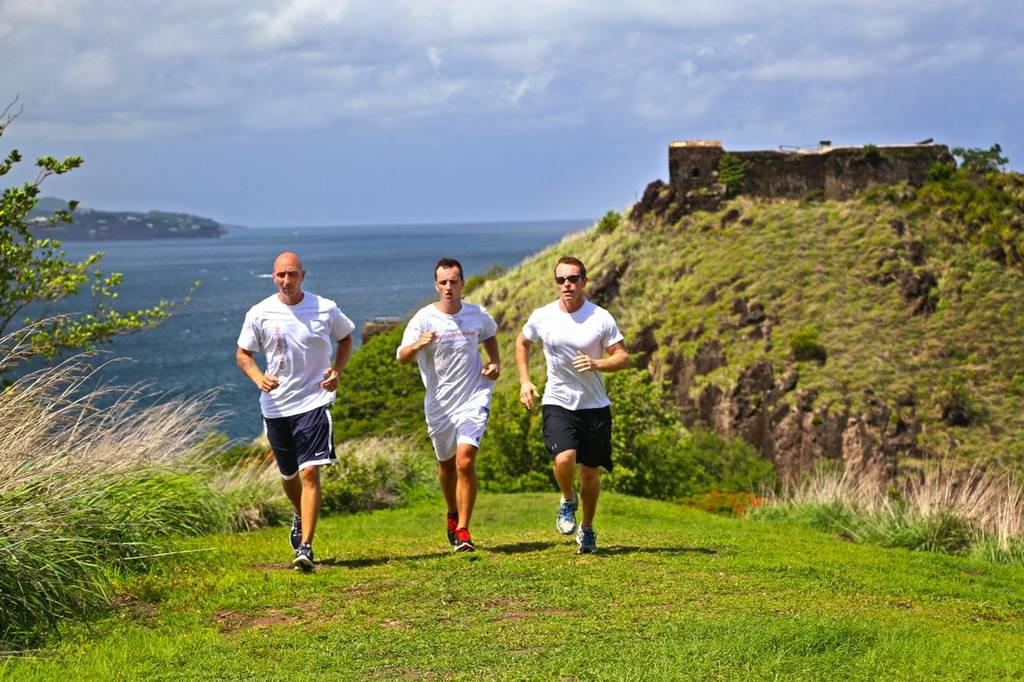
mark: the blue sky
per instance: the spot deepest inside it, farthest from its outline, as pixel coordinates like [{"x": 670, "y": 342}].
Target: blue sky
[{"x": 302, "y": 112}]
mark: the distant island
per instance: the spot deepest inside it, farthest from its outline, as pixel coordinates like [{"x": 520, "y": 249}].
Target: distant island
[{"x": 96, "y": 225}]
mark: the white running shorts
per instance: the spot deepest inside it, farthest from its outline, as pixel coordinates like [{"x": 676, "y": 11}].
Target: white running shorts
[{"x": 466, "y": 427}]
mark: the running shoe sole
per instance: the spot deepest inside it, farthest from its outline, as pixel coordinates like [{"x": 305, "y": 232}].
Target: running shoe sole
[{"x": 465, "y": 547}]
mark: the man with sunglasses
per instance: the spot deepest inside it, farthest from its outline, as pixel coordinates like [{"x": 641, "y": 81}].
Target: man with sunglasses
[
  {"x": 580, "y": 340},
  {"x": 443, "y": 338},
  {"x": 298, "y": 332}
]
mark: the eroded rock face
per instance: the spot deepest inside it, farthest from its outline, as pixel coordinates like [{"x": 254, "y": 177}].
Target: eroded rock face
[
  {"x": 789, "y": 426},
  {"x": 378, "y": 325},
  {"x": 662, "y": 205}
]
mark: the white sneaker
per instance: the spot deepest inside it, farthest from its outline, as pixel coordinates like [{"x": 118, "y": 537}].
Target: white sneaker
[{"x": 565, "y": 522}]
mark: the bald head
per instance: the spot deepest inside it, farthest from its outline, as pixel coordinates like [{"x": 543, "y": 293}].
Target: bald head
[
  {"x": 288, "y": 276},
  {"x": 288, "y": 259}
]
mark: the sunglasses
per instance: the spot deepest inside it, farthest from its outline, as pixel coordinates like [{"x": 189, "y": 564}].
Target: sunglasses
[{"x": 571, "y": 278}]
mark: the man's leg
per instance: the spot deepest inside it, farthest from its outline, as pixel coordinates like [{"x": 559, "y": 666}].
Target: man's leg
[
  {"x": 590, "y": 490},
  {"x": 310, "y": 502},
  {"x": 465, "y": 465},
  {"x": 447, "y": 476},
  {"x": 565, "y": 472},
  {"x": 293, "y": 489}
]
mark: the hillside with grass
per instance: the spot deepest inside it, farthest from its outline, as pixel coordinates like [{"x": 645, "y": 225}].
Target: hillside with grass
[
  {"x": 878, "y": 332},
  {"x": 674, "y": 594}
]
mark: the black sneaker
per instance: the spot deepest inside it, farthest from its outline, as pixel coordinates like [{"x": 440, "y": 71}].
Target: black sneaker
[
  {"x": 453, "y": 523},
  {"x": 304, "y": 558},
  {"x": 463, "y": 543},
  {"x": 295, "y": 538},
  {"x": 587, "y": 541}
]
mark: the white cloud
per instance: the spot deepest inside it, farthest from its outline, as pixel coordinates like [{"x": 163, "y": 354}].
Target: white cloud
[
  {"x": 434, "y": 55},
  {"x": 91, "y": 70},
  {"x": 294, "y": 21}
]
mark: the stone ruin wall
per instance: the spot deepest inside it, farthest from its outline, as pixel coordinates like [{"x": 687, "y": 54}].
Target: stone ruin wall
[{"x": 830, "y": 172}]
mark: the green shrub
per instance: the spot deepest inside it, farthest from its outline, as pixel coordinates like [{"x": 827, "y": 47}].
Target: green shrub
[
  {"x": 873, "y": 154},
  {"x": 512, "y": 456},
  {"x": 940, "y": 172},
  {"x": 376, "y": 394},
  {"x": 653, "y": 455},
  {"x": 374, "y": 473},
  {"x": 959, "y": 407},
  {"x": 609, "y": 222},
  {"x": 731, "y": 172},
  {"x": 980, "y": 208},
  {"x": 978, "y": 160},
  {"x": 475, "y": 281},
  {"x": 804, "y": 346}
]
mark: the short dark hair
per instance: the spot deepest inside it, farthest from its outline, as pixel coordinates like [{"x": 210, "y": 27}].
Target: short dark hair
[
  {"x": 448, "y": 263},
  {"x": 570, "y": 260}
]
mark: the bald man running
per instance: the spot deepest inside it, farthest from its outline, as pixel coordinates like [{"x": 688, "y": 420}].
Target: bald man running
[{"x": 298, "y": 332}]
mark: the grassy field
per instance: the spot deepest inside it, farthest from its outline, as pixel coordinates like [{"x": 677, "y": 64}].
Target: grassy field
[{"x": 675, "y": 593}]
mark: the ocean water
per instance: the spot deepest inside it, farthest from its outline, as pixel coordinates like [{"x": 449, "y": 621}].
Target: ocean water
[{"x": 370, "y": 271}]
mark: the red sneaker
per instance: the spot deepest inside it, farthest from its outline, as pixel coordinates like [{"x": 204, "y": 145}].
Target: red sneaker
[
  {"x": 463, "y": 543},
  {"x": 453, "y": 523}
]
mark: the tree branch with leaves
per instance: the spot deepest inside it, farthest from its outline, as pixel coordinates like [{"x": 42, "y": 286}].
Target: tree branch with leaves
[{"x": 36, "y": 270}]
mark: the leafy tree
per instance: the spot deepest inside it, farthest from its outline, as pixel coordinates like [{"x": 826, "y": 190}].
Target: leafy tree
[
  {"x": 981, "y": 160},
  {"x": 36, "y": 270},
  {"x": 731, "y": 172}
]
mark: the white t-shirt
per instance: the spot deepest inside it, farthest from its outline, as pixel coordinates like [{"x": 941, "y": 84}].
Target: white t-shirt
[
  {"x": 450, "y": 365},
  {"x": 590, "y": 329},
  {"x": 299, "y": 341}
]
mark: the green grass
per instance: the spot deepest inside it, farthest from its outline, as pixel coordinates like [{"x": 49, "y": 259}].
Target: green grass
[{"x": 675, "y": 593}]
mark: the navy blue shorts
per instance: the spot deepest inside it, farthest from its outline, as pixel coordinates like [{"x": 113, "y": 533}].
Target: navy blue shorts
[
  {"x": 588, "y": 432},
  {"x": 302, "y": 440}
]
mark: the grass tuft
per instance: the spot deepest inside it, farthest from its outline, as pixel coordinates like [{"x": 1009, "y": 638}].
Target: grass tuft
[{"x": 942, "y": 508}]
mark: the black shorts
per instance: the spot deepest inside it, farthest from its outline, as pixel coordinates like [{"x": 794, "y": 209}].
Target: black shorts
[
  {"x": 588, "y": 432},
  {"x": 301, "y": 440}
]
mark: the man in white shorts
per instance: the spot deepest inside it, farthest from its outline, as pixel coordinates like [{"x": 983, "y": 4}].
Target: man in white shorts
[
  {"x": 298, "y": 332},
  {"x": 443, "y": 337},
  {"x": 577, "y": 420}
]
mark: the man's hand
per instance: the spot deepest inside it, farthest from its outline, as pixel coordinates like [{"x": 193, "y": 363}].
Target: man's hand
[
  {"x": 491, "y": 371},
  {"x": 527, "y": 392},
  {"x": 330, "y": 381},
  {"x": 424, "y": 340},
  {"x": 583, "y": 363},
  {"x": 268, "y": 383}
]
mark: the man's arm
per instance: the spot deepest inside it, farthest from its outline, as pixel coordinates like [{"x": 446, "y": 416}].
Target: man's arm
[
  {"x": 408, "y": 353},
  {"x": 527, "y": 391},
  {"x": 618, "y": 358},
  {"x": 341, "y": 356},
  {"x": 493, "y": 367},
  {"x": 265, "y": 382}
]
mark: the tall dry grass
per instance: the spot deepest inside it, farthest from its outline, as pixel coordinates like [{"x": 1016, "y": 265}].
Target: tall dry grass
[
  {"x": 90, "y": 482},
  {"x": 941, "y": 507}
]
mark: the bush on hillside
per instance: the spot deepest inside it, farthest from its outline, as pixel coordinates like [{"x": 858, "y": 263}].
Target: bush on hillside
[
  {"x": 654, "y": 455},
  {"x": 978, "y": 160},
  {"x": 376, "y": 394},
  {"x": 980, "y": 208},
  {"x": 609, "y": 222},
  {"x": 476, "y": 281},
  {"x": 373, "y": 473},
  {"x": 805, "y": 346}
]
